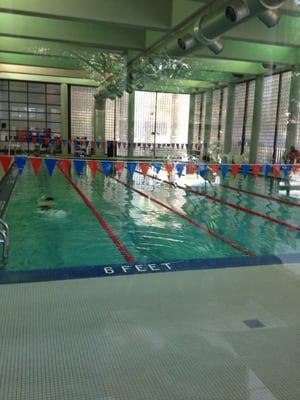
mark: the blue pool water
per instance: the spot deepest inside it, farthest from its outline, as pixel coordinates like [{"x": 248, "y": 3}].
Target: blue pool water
[{"x": 70, "y": 235}]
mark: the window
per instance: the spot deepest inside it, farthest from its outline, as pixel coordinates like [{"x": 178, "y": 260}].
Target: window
[
  {"x": 238, "y": 120},
  {"x": 197, "y": 119},
  {"x": 272, "y": 138},
  {"x": 268, "y": 121},
  {"x": 249, "y": 117},
  {"x": 215, "y": 116},
  {"x": 82, "y": 111},
  {"x": 283, "y": 115},
  {"x": 116, "y": 122},
  {"x": 161, "y": 118},
  {"x": 223, "y": 117},
  {"x": 27, "y": 106}
]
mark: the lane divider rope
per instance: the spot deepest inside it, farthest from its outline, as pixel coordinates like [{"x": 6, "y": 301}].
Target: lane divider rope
[
  {"x": 284, "y": 201},
  {"x": 125, "y": 253},
  {"x": 187, "y": 218},
  {"x": 227, "y": 203}
]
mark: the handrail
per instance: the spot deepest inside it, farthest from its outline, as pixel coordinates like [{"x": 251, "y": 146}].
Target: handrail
[{"x": 4, "y": 240}]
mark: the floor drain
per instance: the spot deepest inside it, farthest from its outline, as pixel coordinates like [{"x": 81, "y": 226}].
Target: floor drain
[{"x": 254, "y": 323}]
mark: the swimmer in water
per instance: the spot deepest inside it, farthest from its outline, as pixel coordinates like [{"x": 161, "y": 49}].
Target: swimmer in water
[{"x": 45, "y": 206}]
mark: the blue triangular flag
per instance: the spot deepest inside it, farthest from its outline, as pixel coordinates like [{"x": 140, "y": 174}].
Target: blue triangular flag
[
  {"x": 129, "y": 145},
  {"x": 64, "y": 142},
  {"x": 157, "y": 167},
  {"x": 245, "y": 169},
  {"x": 52, "y": 141},
  {"x": 286, "y": 169},
  {"x": 50, "y": 164},
  {"x": 28, "y": 138},
  {"x": 224, "y": 169},
  {"x": 177, "y": 145},
  {"x": 159, "y": 145},
  {"x": 149, "y": 145},
  {"x": 202, "y": 169},
  {"x": 179, "y": 169},
  {"x": 266, "y": 169},
  {"x": 119, "y": 144},
  {"x": 106, "y": 167},
  {"x": 20, "y": 162},
  {"x": 16, "y": 138},
  {"x": 79, "y": 166},
  {"x": 97, "y": 144},
  {"x": 131, "y": 168}
]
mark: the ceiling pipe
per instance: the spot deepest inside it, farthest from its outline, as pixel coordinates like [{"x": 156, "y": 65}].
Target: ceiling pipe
[{"x": 227, "y": 15}]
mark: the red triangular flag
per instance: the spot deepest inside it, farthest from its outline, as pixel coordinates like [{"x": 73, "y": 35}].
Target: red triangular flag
[
  {"x": 93, "y": 165},
  {"x": 65, "y": 166},
  {"x": 214, "y": 168},
  {"x": 169, "y": 168},
  {"x": 144, "y": 167},
  {"x": 295, "y": 168},
  {"x": 276, "y": 170},
  {"x": 191, "y": 168},
  {"x": 255, "y": 170},
  {"x": 5, "y": 162},
  {"x": 36, "y": 164},
  {"x": 235, "y": 168},
  {"x": 119, "y": 166}
]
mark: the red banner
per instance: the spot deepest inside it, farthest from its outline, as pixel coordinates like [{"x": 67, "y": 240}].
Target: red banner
[
  {"x": 65, "y": 166},
  {"x": 119, "y": 166},
  {"x": 93, "y": 165},
  {"x": 255, "y": 170},
  {"x": 144, "y": 168},
  {"x": 235, "y": 168},
  {"x": 5, "y": 162},
  {"x": 36, "y": 164}
]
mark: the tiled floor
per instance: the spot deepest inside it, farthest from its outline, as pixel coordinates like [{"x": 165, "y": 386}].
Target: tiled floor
[{"x": 178, "y": 336}]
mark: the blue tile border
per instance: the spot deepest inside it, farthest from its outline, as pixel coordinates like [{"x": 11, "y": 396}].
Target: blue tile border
[{"x": 110, "y": 270}]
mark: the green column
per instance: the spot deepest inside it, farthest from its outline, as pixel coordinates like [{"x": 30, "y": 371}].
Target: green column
[
  {"x": 64, "y": 110},
  {"x": 208, "y": 117},
  {"x": 99, "y": 132},
  {"x": 229, "y": 118},
  {"x": 191, "y": 121},
  {"x": 131, "y": 101},
  {"x": 294, "y": 112},
  {"x": 256, "y": 122}
]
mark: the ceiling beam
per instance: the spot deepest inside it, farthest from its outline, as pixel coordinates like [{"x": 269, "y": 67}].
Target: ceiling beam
[
  {"x": 41, "y": 47},
  {"x": 38, "y": 61},
  {"x": 230, "y": 66},
  {"x": 47, "y": 79},
  {"x": 42, "y": 71},
  {"x": 81, "y": 33},
  {"x": 154, "y": 14},
  {"x": 285, "y": 33},
  {"x": 167, "y": 89},
  {"x": 254, "y": 52},
  {"x": 186, "y": 83}
]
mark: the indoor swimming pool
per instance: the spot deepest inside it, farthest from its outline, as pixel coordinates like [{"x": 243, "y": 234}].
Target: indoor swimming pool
[{"x": 107, "y": 221}]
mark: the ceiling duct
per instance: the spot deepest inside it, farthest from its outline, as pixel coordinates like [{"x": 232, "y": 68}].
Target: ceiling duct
[{"x": 226, "y": 15}]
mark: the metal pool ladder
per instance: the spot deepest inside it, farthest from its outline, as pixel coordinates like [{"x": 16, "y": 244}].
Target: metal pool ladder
[{"x": 4, "y": 239}]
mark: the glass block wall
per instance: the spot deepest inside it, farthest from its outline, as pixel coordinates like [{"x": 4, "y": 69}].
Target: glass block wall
[
  {"x": 82, "y": 111},
  {"x": 268, "y": 122}
]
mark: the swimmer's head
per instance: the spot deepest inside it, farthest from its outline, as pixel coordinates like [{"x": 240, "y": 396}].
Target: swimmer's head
[
  {"x": 44, "y": 207},
  {"x": 49, "y": 198}
]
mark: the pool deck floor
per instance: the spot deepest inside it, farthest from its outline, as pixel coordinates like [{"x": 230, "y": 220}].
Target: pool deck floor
[{"x": 177, "y": 336}]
